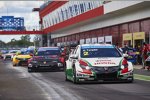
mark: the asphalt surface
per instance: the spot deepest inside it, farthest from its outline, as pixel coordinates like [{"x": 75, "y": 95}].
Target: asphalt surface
[{"x": 17, "y": 84}]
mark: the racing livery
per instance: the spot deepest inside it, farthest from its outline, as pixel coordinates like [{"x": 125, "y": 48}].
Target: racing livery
[
  {"x": 10, "y": 54},
  {"x": 21, "y": 58},
  {"x": 46, "y": 58},
  {"x": 98, "y": 62}
]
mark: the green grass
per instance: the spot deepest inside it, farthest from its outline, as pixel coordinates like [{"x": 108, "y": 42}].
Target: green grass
[{"x": 142, "y": 77}]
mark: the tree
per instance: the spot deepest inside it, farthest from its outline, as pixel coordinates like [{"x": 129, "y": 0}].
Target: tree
[{"x": 25, "y": 38}]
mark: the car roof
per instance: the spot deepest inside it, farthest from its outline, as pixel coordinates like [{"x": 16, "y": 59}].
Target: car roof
[
  {"x": 48, "y": 48},
  {"x": 107, "y": 45}
]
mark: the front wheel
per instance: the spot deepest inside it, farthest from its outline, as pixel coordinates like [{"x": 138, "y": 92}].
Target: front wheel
[
  {"x": 30, "y": 70},
  {"x": 131, "y": 81},
  {"x": 74, "y": 76},
  {"x": 14, "y": 64}
]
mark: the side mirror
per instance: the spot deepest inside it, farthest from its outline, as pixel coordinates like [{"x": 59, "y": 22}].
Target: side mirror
[
  {"x": 125, "y": 55},
  {"x": 74, "y": 57}
]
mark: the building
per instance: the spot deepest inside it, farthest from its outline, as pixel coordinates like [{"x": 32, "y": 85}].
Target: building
[{"x": 78, "y": 22}]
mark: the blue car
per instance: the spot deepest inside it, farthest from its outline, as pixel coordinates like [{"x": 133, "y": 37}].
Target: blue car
[{"x": 132, "y": 54}]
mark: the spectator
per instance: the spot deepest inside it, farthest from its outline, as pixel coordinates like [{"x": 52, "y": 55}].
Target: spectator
[
  {"x": 144, "y": 54},
  {"x": 126, "y": 48}
]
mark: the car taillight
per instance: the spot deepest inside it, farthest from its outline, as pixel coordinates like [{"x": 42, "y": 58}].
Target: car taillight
[
  {"x": 83, "y": 63},
  {"x": 125, "y": 64}
]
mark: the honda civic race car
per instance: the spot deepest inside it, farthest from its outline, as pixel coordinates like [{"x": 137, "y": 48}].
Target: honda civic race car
[
  {"x": 46, "y": 58},
  {"x": 98, "y": 62}
]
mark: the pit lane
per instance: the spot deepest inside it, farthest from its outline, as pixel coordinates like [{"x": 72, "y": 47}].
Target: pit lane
[{"x": 17, "y": 84}]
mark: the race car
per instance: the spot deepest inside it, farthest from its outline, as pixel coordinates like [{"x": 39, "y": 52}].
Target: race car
[
  {"x": 21, "y": 58},
  {"x": 98, "y": 62},
  {"x": 10, "y": 54},
  {"x": 46, "y": 58}
]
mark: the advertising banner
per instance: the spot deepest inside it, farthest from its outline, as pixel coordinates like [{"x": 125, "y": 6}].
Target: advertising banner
[
  {"x": 88, "y": 40},
  {"x": 108, "y": 39},
  {"x": 100, "y": 39},
  {"x": 82, "y": 41},
  {"x": 94, "y": 40}
]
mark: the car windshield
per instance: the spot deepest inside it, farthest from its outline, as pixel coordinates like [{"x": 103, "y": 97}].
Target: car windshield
[
  {"x": 24, "y": 53},
  {"x": 48, "y": 52},
  {"x": 99, "y": 52},
  {"x": 13, "y": 51}
]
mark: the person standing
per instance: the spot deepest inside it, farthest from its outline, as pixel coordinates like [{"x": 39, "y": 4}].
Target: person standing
[{"x": 144, "y": 54}]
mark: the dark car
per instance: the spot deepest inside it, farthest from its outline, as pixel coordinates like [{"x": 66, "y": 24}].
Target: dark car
[{"x": 46, "y": 58}]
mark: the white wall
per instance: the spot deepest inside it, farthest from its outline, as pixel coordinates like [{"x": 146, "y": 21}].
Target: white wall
[
  {"x": 117, "y": 5},
  {"x": 113, "y": 18}
]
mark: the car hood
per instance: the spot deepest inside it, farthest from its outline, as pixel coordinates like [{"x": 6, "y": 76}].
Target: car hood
[
  {"x": 54, "y": 57},
  {"x": 101, "y": 62},
  {"x": 23, "y": 56},
  {"x": 8, "y": 54}
]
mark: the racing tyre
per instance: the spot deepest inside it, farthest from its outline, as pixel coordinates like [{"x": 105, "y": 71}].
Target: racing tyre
[
  {"x": 131, "y": 81},
  {"x": 14, "y": 64},
  {"x": 30, "y": 70},
  {"x": 74, "y": 76},
  {"x": 66, "y": 79}
]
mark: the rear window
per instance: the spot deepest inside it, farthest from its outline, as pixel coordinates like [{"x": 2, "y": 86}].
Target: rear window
[
  {"x": 99, "y": 51},
  {"x": 48, "y": 51}
]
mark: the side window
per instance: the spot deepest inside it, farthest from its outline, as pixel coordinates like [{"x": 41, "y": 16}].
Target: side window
[{"x": 75, "y": 51}]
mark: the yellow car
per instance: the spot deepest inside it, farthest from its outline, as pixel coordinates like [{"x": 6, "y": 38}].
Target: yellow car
[{"x": 21, "y": 58}]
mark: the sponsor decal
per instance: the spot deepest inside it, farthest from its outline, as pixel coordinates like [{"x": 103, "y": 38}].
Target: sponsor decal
[{"x": 104, "y": 62}]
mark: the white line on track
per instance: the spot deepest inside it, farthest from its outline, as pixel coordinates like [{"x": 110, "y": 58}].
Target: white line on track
[{"x": 51, "y": 90}]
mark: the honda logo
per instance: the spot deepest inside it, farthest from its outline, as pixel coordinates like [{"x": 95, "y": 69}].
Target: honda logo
[{"x": 106, "y": 68}]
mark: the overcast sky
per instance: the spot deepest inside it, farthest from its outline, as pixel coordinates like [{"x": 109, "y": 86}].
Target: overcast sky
[{"x": 20, "y": 9}]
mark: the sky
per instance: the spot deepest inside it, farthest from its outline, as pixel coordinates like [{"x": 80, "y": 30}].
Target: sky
[{"x": 20, "y": 9}]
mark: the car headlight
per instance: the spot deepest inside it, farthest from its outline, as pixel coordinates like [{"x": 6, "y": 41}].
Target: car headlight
[
  {"x": 59, "y": 64},
  {"x": 122, "y": 66}
]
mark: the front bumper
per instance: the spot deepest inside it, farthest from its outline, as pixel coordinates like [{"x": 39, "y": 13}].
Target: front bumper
[
  {"x": 22, "y": 61},
  {"x": 105, "y": 76},
  {"x": 45, "y": 65}
]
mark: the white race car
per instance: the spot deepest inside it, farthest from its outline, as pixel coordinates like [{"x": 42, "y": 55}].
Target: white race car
[
  {"x": 98, "y": 62},
  {"x": 9, "y": 55}
]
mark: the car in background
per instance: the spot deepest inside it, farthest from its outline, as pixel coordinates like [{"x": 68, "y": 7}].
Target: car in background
[
  {"x": 21, "y": 58},
  {"x": 46, "y": 58},
  {"x": 98, "y": 62},
  {"x": 10, "y": 54},
  {"x": 3, "y": 52},
  {"x": 132, "y": 54}
]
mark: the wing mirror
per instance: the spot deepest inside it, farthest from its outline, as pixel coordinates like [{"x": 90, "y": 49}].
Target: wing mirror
[
  {"x": 74, "y": 57},
  {"x": 125, "y": 55}
]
